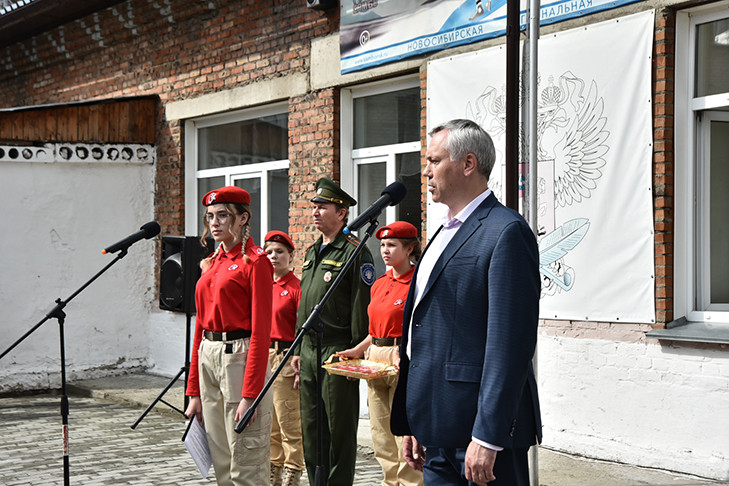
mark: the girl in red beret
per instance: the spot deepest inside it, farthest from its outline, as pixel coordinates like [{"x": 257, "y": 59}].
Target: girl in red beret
[
  {"x": 400, "y": 250},
  {"x": 287, "y": 447},
  {"x": 229, "y": 363}
]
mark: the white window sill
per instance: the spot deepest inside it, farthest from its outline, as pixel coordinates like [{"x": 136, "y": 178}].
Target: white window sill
[{"x": 696, "y": 332}]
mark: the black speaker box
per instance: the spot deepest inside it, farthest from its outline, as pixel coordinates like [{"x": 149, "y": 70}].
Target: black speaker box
[{"x": 181, "y": 256}]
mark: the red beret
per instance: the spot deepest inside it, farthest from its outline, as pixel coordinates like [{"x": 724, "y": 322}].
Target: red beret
[
  {"x": 280, "y": 237},
  {"x": 227, "y": 194},
  {"x": 398, "y": 229}
]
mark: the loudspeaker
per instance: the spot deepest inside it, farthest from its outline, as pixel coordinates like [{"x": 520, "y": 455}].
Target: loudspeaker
[
  {"x": 321, "y": 4},
  {"x": 181, "y": 256}
]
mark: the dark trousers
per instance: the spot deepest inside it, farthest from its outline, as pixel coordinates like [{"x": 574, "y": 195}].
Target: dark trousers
[
  {"x": 341, "y": 417},
  {"x": 447, "y": 467}
]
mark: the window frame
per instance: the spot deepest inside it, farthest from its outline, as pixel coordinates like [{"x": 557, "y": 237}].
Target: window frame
[
  {"x": 348, "y": 168},
  {"x": 689, "y": 141},
  {"x": 232, "y": 173}
]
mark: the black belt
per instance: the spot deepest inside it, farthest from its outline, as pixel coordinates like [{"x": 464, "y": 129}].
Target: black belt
[
  {"x": 281, "y": 346},
  {"x": 386, "y": 341},
  {"x": 227, "y": 336}
]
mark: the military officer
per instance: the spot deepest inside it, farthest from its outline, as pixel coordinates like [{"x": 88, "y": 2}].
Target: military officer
[{"x": 344, "y": 318}]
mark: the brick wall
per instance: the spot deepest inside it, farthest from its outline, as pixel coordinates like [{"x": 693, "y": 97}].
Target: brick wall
[
  {"x": 663, "y": 169},
  {"x": 313, "y": 153},
  {"x": 177, "y": 50},
  {"x": 184, "y": 48}
]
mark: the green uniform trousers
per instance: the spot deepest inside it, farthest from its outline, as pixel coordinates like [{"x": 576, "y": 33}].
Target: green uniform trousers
[{"x": 341, "y": 417}]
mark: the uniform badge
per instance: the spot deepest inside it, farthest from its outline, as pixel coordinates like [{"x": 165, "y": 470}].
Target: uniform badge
[
  {"x": 385, "y": 233},
  {"x": 367, "y": 272},
  {"x": 285, "y": 292},
  {"x": 260, "y": 251},
  {"x": 327, "y": 276},
  {"x": 233, "y": 267},
  {"x": 211, "y": 198},
  {"x": 398, "y": 302}
]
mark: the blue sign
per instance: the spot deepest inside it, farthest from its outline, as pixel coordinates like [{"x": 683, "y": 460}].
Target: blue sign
[{"x": 374, "y": 32}]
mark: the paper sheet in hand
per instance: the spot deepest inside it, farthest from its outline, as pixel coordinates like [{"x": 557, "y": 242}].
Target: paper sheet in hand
[{"x": 196, "y": 442}]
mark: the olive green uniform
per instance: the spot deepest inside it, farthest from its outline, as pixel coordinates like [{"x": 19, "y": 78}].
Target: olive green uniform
[{"x": 345, "y": 323}]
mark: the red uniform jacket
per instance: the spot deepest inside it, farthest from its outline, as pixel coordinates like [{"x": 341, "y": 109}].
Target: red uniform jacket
[
  {"x": 286, "y": 297},
  {"x": 386, "y": 304},
  {"x": 231, "y": 295}
]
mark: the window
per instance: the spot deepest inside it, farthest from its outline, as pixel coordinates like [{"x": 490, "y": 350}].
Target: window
[
  {"x": 247, "y": 149},
  {"x": 381, "y": 145},
  {"x": 712, "y": 292},
  {"x": 702, "y": 165}
]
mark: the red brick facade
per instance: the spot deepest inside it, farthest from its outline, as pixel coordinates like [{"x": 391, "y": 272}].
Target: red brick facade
[
  {"x": 185, "y": 48},
  {"x": 176, "y": 51},
  {"x": 663, "y": 106},
  {"x": 313, "y": 130}
]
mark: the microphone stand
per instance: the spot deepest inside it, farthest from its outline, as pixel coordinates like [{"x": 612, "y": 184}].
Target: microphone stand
[
  {"x": 57, "y": 313},
  {"x": 313, "y": 323}
]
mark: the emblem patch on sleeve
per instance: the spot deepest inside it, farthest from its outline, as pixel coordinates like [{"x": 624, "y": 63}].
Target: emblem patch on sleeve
[{"x": 367, "y": 272}]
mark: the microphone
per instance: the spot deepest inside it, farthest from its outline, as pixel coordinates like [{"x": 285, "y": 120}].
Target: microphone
[
  {"x": 147, "y": 231},
  {"x": 391, "y": 196}
]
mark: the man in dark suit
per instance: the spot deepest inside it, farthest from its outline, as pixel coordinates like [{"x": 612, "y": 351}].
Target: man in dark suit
[{"x": 466, "y": 399}]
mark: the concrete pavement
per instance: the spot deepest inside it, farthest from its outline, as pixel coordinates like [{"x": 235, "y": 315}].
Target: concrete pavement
[{"x": 104, "y": 450}]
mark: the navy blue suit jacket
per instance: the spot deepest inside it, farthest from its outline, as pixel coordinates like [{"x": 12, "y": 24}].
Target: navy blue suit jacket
[{"x": 474, "y": 333}]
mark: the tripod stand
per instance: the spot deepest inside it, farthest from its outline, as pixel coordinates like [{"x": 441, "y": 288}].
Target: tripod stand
[
  {"x": 58, "y": 314},
  {"x": 179, "y": 273},
  {"x": 184, "y": 370}
]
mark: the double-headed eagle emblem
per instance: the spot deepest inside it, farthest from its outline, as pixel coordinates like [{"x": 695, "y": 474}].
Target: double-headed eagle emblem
[{"x": 572, "y": 147}]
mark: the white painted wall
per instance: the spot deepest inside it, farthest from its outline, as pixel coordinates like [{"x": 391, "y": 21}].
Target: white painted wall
[
  {"x": 642, "y": 403},
  {"x": 57, "y": 217},
  {"x": 167, "y": 341}
]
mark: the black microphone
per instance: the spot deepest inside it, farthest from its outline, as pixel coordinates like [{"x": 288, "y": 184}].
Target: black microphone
[
  {"x": 391, "y": 196},
  {"x": 147, "y": 231}
]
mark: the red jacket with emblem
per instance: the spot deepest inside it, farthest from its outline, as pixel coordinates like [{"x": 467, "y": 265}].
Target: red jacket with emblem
[{"x": 235, "y": 294}]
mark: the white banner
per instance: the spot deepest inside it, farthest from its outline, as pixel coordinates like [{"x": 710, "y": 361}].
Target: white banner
[{"x": 594, "y": 165}]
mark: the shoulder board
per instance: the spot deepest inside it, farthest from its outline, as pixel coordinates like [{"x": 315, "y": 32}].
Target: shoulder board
[{"x": 352, "y": 239}]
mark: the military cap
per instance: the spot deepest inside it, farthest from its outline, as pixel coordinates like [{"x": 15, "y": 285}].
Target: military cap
[
  {"x": 398, "y": 229},
  {"x": 327, "y": 191},
  {"x": 227, "y": 194}
]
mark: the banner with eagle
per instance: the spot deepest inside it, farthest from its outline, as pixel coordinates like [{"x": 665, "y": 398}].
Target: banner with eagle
[{"x": 594, "y": 123}]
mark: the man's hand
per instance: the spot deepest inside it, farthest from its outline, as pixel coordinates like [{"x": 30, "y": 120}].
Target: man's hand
[
  {"x": 413, "y": 452},
  {"x": 480, "y": 464}
]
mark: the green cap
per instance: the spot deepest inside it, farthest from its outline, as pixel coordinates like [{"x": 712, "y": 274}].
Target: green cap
[{"x": 327, "y": 191}]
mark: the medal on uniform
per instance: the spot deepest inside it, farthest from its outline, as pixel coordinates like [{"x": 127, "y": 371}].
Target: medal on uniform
[{"x": 327, "y": 276}]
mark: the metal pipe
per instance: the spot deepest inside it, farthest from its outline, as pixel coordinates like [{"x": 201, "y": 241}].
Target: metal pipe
[
  {"x": 512, "y": 104},
  {"x": 533, "y": 144}
]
